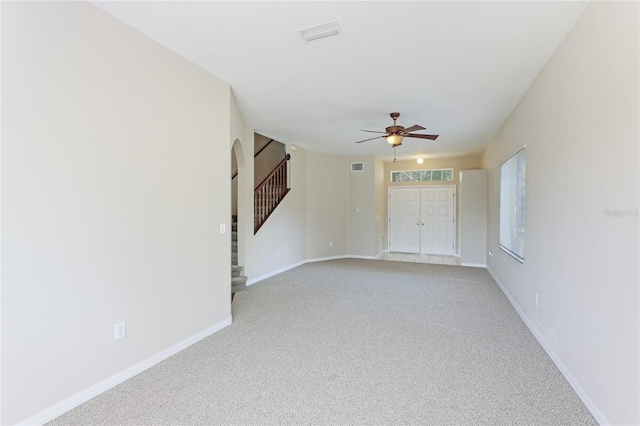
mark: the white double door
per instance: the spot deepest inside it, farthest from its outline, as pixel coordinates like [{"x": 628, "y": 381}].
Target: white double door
[{"x": 421, "y": 220}]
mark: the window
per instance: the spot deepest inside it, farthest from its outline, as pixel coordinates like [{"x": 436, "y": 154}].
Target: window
[
  {"x": 512, "y": 205},
  {"x": 422, "y": 175}
]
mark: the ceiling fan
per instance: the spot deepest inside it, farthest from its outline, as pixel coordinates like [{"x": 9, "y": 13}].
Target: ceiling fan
[{"x": 394, "y": 134}]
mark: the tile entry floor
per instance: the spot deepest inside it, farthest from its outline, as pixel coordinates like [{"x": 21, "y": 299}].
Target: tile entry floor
[{"x": 421, "y": 258}]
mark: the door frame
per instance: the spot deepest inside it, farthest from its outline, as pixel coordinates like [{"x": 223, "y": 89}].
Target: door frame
[{"x": 455, "y": 211}]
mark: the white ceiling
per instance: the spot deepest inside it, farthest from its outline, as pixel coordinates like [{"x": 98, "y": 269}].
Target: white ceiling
[{"x": 456, "y": 68}]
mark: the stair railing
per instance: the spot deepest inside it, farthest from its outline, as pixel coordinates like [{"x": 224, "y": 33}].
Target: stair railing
[
  {"x": 235, "y": 174},
  {"x": 269, "y": 193}
]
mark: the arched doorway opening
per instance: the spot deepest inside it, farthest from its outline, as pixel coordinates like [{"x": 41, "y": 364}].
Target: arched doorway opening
[{"x": 238, "y": 218}]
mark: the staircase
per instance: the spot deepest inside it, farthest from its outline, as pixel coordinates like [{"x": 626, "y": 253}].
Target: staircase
[
  {"x": 266, "y": 196},
  {"x": 238, "y": 281},
  {"x": 269, "y": 193}
]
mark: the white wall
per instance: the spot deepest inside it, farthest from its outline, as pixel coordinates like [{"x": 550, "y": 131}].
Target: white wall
[
  {"x": 280, "y": 242},
  {"x": 472, "y": 209},
  {"x": 268, "y": 159},
  {"x": 326, "y": 205},
  {"x": 319, "y": 210},
  {"x": 579, "y": 121},
  {"x": 115, "y": 177},
  {"x": 380, "y": 222},
  {"x": 362, "y": 230}
]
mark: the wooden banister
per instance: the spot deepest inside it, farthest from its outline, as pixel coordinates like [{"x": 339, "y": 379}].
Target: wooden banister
[
  {"x": 274, "y": 171},
  {"x": 269, "y": 193}
]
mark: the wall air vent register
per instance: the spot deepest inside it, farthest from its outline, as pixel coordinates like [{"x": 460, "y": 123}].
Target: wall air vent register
[{"x": 330, "y": 29}]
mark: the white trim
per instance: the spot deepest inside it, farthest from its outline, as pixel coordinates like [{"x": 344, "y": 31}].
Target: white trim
[
  {"x": 83, "y": 396},
  {"x": 595, "y": 412},
  {"x": 510, "y": 253},
  {"x": 272, "y": 273},
  {"x": 354, "y": 256},
  {"x": 455, "y": 212},
  {"x": 506, "y": 227},
  {"x": 322, "y": 259},
  {"x": 316, "y": 259},
  {"x": 473, "y": 265}
]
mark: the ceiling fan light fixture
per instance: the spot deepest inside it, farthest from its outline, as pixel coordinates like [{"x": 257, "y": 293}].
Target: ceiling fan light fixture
[
  {"x": 394, "y": 139},
  {"x": 395, "y": 134}
]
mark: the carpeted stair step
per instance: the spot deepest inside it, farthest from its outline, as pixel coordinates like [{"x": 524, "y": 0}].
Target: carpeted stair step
[
  {"x": 236, "y": 271},
  {"x": 238, "y": 283}
]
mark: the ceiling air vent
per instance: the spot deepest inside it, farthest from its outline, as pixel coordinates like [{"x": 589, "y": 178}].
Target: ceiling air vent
[
  {"x": 357, "y": 167},
  {"x": 318, "y": 32}
]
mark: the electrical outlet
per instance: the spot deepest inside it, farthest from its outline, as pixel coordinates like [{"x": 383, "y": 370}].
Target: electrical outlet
[
  {"x": 120, "y": 330},
  {"x": 536, "y": 299},
  {"x": 491, "y": 254},
  {"x": 223, "y": 228},
  {"x": 330, "y": 243},
  {"x": 278, "y": 253}
]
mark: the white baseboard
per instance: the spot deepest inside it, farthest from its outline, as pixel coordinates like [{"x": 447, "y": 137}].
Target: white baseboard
[
  {"x": 81, "y": 397},
  {"x": 345, "y": 256},
  {"x": 354, "y": 256},
  {"x": 276, "y": 272},
  {"x": 322, "y": 259},
  {"x": 474, "y": 265},
  {"x": 316, "y": 259},
  {"x": 597, "y": 414}
]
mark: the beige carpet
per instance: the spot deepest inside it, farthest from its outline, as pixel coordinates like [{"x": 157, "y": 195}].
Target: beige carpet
[{"x": 355, "y": 342}]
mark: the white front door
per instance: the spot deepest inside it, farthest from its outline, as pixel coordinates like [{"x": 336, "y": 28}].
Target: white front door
[
  {"x": 421, "y": 220},
  {"x": 437, "y": 220},
  {"x": 404, "y": 217}
]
